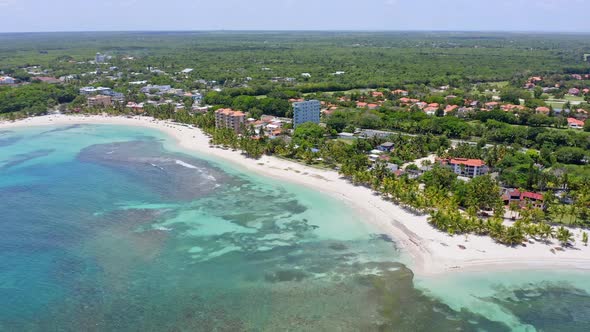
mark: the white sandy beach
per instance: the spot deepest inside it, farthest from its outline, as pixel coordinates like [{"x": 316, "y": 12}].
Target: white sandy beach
[{"x": 427, "y": 250}]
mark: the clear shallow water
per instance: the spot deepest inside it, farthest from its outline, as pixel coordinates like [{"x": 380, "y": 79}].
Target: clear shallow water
[{"x": 103, "y": 229}]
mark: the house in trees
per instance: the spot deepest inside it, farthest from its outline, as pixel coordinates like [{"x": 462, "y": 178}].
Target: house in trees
[
  {"x": 386, "y": 147},
  {"x": 574, "y": 91},
  {"x": 575, "y": 123},
  {"x": 523, "y": 199}
]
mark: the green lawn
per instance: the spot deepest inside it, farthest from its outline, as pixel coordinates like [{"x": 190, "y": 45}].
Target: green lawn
[
  {"x": 555, "y": 103},
  {"x": 568, "y": 219},
  {"x": 573, "y": 98},
  {"x": 347, "y": 141}
]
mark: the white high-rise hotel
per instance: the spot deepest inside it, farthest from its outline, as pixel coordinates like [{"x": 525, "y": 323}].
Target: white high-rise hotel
[{"x": 306, "y": 111}]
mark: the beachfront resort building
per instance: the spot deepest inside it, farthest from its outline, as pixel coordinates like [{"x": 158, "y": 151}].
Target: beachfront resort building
[
  {"x": 100, "y": 101},
  {"x": 306, "y": 111},
  {"x": 466, "y": 167},
  {"x": 228, "y": 118}
]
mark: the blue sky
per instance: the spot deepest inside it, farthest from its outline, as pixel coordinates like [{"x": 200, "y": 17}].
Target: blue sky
[{"x": 104, "y": 15}]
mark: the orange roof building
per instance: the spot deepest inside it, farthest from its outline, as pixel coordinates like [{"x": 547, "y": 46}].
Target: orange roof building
[{"x": 228, "y": 118}]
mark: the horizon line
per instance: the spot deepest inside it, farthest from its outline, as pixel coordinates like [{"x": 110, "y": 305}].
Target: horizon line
[{"x": 306, "y": 30}]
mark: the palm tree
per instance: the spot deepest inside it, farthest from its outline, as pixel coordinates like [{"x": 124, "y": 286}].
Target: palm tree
[
  {"x": 564, "y": 236},
  {"x": 573, "y": 210},
  {"x": 545, "y": 231},
  {"x": 514, "y": 207},
  {"x": 513, "y": 235},
  {"x": 496, "y": 229}
]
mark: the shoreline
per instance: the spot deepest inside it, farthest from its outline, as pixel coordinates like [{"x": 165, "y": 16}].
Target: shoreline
[{"x": 426, "y": 250}]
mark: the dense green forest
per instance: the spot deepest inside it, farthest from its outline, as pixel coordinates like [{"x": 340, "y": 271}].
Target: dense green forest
[{"x": 370, "y": 59}]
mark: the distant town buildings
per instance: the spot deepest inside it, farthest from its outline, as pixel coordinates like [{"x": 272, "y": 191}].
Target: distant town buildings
[
  {"x": 306, "y": 111},
  {"x": 466, "y": 167},
  {"x": 100, "y": 101},
  {"x": 100, "y": 58},
  {"x": 158, "y": 89},
  {"x": 228, "y": 118}
]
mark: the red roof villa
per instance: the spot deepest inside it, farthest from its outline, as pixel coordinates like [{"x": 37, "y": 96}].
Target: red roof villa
[
  {"x": 523, "y": 198},
  {"x": 575, "y": 123},
  {"x": 574, "y": 91}
]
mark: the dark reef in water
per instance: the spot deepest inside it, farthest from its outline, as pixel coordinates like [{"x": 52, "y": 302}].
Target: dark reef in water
[
  {"x": 402, "y": 307},
  {"x": 22, "y": 158},
  {"x": 173, "y": 176},
  {"x": 10, "y": 140},
  {"x": 554, "y": 307},
  {"x": 60, "y": 129}
]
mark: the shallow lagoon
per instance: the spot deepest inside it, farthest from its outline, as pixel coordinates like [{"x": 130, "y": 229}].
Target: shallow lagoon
[{"x": 105, "y": 229}]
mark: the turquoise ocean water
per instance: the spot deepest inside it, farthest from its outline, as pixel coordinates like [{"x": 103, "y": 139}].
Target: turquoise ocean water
[{"x": 110, "y": 228}]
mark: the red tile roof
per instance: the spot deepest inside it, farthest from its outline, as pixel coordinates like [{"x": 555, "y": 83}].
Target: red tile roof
[
  {"x": 467, "y": 162},
  {"x": 451, "y": 108},
  {"x": 229, "y": 111},
  {"x": 531, "y": 195},
  {"x": 572, "y": 121}
]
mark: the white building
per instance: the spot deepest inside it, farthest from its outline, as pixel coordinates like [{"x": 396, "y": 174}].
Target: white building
[
  {"x": 89, "y": 90},
  {"x": 6, "y": 80},
  {"x": 100, "y": 58},
  {"x": 306, "y": 111},
  {"x": 466, "y": 167}
]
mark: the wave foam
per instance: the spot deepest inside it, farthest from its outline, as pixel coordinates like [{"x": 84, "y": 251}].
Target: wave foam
[{"x": 184, "y": 164}]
